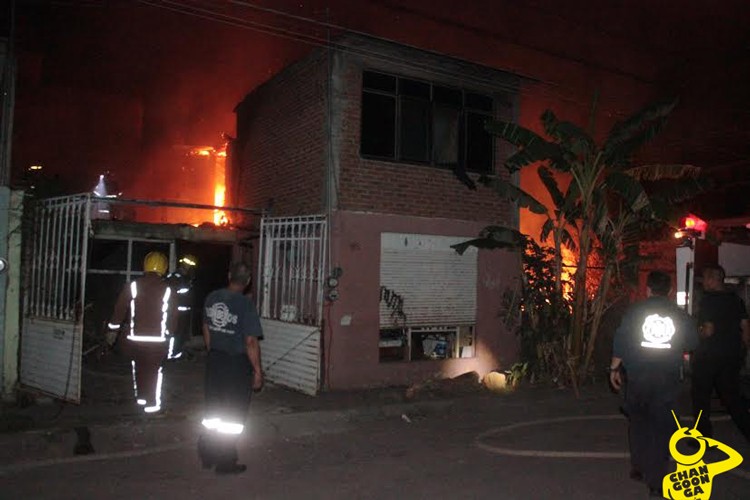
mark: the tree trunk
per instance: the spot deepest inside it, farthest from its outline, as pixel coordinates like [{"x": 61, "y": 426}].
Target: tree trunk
[
  {"x": 579, "y": 317},
  {"x": 558, "y": 263},
  {"x": 596, "y": 321}
]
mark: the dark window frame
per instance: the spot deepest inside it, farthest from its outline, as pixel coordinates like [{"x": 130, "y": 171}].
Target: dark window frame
[{"x": 464, "y": 110}]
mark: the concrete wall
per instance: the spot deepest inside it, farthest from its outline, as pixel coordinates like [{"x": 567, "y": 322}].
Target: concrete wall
[
  {"x": 352, "y": 355},
  {"x": 11, "y": 208}
]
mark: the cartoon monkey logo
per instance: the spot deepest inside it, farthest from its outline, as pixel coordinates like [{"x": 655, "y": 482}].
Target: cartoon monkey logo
[{"x": 693, "y": 479}]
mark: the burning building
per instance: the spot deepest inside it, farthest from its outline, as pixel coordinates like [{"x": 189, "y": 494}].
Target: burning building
[{"x": 358, "y": 284}]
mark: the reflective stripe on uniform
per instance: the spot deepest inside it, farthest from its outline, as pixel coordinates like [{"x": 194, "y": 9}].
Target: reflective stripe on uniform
[
  {"x": 146, "y": 338},
  {"x": 135, "y": 383},
  {"x": 218, "y": 425},
  {"x": 133, "y": 295},
  {"x": 165, "y": 311},
  {"x": 170, "y": 353},
  {"x": 157, "y": 403}
]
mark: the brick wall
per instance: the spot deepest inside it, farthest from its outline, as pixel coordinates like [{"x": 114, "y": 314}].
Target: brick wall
[
  {"x": 404, "y": 189},
  {"x": 281, "y": 138},
  {"x": 282, "y": 144}
]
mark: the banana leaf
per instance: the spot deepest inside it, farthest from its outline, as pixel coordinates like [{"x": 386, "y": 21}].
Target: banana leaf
[
  {"x": 510, "y": 191},
  {"x": 531, "y": 146},
  {"x": 628, "y": 136},
  {"x": 547, "y": 228},
  {"x": 659, "y": 172},
  {"x": 631, "y": 191},
  {"x": 643, "y": 120},
  {"x": 568, "y": 240},
  {"x": 568, "y": 134},
  {"x": 571, "y": 205},
  {"x": 549, "y": 181}
]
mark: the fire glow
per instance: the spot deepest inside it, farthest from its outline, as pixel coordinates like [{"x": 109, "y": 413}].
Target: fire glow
[
  {"x": 219, "y": 157},
  {"x": 220, "y": 187}
]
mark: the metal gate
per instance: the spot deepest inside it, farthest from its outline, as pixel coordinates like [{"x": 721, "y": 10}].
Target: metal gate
[
  {"x": 57, "y": 232},
  {"x": 291, "y": 271}
]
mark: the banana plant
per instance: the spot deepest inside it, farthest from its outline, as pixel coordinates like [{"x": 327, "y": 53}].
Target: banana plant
[{"x": 606, "y": 197}]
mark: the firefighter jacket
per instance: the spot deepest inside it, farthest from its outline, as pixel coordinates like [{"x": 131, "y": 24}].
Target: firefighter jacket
[
  {"x": 148, "y": 304},
  {"x": 182, "y": 287}
]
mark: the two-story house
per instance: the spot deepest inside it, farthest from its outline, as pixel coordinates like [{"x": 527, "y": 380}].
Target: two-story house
[{"x": 353, "y": 150}]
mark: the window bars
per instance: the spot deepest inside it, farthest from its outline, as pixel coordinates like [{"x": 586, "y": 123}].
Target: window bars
[{"x": 291, "y": 268}]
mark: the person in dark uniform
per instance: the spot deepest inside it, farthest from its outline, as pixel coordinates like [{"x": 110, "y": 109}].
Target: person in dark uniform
[
  {"x": 182, "y": 281},
  {"x": 232, "y": 330},
  {"x": 648, "y": 348},
  {"x": 725, "y": 336}
]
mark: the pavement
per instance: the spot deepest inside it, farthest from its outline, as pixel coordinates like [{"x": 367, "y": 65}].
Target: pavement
[
  {"x": 44, "y": 429},
  {"x": 451, "y": 442}
]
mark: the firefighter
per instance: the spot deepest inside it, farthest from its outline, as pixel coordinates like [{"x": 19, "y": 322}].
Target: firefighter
[
  {"x": 149, "y": 303},
  {"x": 648, "y": 347},
  {"x": 181, "y": 282},
  {"x": 231, "y": 330},
  {"x": 725, "y": 337}
]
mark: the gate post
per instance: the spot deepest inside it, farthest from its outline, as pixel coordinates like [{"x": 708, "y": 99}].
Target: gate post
[{"x": 11, "y": 209}]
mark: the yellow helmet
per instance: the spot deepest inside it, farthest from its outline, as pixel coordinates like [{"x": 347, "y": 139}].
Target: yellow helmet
[
  {"x": 155, "y": 262},
  {"x": 189, "y": 260}
]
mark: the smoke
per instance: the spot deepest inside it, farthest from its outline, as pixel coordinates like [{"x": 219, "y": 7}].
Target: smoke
[
  {"x": 116, "y": 86},
  {"x": 123, "y": 88}
]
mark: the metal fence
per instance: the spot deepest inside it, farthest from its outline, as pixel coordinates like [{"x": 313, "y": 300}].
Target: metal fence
[
  {"x": 291, "y": 268},
  {"x": 55, "y": 283}
]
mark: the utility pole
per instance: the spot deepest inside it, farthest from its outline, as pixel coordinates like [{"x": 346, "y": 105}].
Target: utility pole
[{"x": 7, "y": 89}]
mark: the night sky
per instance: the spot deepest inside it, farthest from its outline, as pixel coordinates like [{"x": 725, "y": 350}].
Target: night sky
[{"x": 116, "y": 85}]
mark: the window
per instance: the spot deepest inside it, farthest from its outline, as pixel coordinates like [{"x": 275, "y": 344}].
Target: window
[
  {"x": 419, "y": 122},
  {"x": 426, "y": 343}
]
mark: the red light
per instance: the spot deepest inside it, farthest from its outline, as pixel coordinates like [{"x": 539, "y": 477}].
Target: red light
[{"x": 693, "y": 223}]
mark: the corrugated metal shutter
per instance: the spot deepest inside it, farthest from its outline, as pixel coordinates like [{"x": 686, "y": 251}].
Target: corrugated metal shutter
[
  {"x": 51, "y": 358},
  {"x": 438, "y": 286},
  {"x": 291, "y": 355}
]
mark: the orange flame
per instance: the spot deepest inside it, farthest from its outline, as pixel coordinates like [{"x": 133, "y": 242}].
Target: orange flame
[{"x": 220, "y": 216}]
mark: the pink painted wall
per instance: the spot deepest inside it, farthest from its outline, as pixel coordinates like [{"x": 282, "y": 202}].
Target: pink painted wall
[{"x": 352, "y": 351}]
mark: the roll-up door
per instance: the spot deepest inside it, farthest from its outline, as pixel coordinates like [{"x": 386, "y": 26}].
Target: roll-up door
[{"x": 423, "y": 281}]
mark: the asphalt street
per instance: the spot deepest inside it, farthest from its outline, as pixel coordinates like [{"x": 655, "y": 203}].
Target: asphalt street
[{"x": 478, "y": 448}]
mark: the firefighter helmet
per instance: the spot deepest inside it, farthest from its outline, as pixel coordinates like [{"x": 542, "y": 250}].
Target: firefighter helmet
[
  {"x": 189, "y": 260},
  {"x": 155, "y": 262}
]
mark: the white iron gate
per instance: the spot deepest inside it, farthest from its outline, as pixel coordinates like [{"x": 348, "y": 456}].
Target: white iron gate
[
  {"x": 291, "y": 272},
  {"x": 55, "y": 282}
]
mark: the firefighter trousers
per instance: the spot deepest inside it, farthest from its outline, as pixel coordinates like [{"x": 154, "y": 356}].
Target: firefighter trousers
[
  {"x": 228, "y": 388},
  {"x": 146, "y": 362},
  {"x": 649, "y": 401}
]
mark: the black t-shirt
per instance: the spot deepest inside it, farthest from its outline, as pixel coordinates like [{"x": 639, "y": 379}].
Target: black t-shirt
[
  {"x": 653, "y": 335},
  {"x": 231, "y": 318},
  {"x": 725, "y": 310}
]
